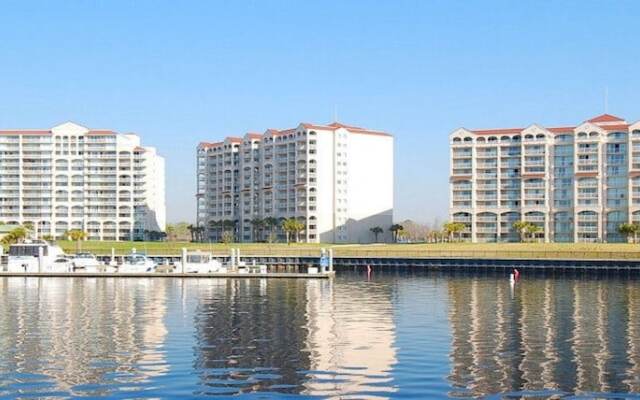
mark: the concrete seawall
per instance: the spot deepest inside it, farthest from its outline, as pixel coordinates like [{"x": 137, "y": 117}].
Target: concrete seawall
[
  {"x": 296, "y": 264},
  {"x": 274, "y": 261}
]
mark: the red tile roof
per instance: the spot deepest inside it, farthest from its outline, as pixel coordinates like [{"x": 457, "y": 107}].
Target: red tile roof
[
  {"x": 605, "y": 118},
  {"x": 557, "y": 130},
  {"x": 562, "y": 129},
  {"x": 503, "y": 131},
  {"x": 206, "y": 145},
  {"x": 24, "y": 132},
  {"x": 330, "y": 127},
  {"x": 256, "y": 136},
  {"x": 619, "y": 127},
  {"x": 336, "y": 125},
  {"x": 100, "y": 132}
]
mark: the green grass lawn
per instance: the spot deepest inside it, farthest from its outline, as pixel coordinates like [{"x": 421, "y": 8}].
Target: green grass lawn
[{"x": 480, "y": 250}]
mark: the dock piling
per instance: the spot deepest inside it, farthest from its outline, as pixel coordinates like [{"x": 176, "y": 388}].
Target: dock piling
[
  {"x": 40, "y": 257},
  {"x": 183, "y": 259}
]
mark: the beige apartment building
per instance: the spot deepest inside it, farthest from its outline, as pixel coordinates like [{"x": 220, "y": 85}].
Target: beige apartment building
[
  {"x": 73, "y": 177},
  {"x": 578, "y": 183}
]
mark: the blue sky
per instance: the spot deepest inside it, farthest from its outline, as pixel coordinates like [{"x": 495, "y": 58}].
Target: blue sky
[{"x": 181, "y": 72}]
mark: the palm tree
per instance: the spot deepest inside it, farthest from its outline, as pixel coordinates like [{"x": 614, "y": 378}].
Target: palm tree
[
  {"x": 197, "y": 233},
  {"x": 532, "y": 230},
  {"x": 225, "y": 223},
  {"x": 395, "y": 228},
  {"x": 19, "y": 233},
  {"x": 270, "y": 223},
  {"x": 191, "y": 229},
  {"x": 630, "y": 231},
  {"x": 76, "y": 235},
  {"x": 28, "y": 226},
  {"x": 376, "y": 230},
  {"x": 521, "y": 227},
  {"x": 256, "y": 224},
  {"x": 9, "y": 239},
  {"x": 448, "y": 228},
  {"x": 227, "y": 236},
  {"x": 299, "y": 226},
  {"x": 453, "y": 228},
  {"x": 289, "y": 226}
]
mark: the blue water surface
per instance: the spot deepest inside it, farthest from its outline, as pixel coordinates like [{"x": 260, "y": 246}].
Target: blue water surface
[{"x": 394, "y": 334}]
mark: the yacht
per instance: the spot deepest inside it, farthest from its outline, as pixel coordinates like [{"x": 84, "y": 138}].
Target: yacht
[
  {"x": 199, "y": 262},
  {"x": 137, "y": 263},
  {"x": 36, "y": 256},
  {"x": 86, "y": 262},
  {"x": 62, "y": 264}
]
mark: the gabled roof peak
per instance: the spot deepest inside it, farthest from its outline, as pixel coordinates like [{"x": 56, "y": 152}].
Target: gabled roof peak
[
  {"x": 339, "y": 125},
  {"x": 605, "y": 118}
]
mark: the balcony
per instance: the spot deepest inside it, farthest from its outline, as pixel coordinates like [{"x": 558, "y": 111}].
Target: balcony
[
  {"x": 484, "y": 165},
  {"x": 461, "y": 172}
]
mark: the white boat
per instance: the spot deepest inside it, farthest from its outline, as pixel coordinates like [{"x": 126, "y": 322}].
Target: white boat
[
  {"x": 200, "y": 262},
  {"x": 86, "y": 262},
  {"x": 137, "y": 263},
  {"x": 36, "y": 256},
  {"x": 62, "y": 264}
]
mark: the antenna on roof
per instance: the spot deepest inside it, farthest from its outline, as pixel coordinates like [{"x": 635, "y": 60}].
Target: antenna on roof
[
  {"x": 335, "y": 113},
  {"x": 606, "y": 99}
]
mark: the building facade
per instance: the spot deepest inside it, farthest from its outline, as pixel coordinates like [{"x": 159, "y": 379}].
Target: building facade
[
  {"x": 72, "y": 177},
  {"x": 577, "y": 183},
  {"x": 336, "y": 179}
]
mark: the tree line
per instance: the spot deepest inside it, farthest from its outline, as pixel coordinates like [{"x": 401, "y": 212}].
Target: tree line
[{"x": 263, "y": 229}]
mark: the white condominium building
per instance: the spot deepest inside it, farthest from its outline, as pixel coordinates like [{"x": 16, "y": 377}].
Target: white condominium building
[
  {"x": 72, "y": 177},
  {"x": 336, "y": 179},
  {"x": 577, "y": 183}
]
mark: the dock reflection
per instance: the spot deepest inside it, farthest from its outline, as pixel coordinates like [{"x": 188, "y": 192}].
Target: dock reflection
[{"x": 81, "y": 333}]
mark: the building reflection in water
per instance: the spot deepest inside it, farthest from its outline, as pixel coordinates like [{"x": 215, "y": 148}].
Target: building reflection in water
[
  {"x": 351, "y": 339},
  {"x": 250, "y": 336},
  {"x": 553, "y": 335},
  {"x": 82, "y": 333},
  {"x": 292, "y": 336}
]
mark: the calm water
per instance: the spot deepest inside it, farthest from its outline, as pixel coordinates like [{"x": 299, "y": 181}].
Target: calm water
[{"x": 420, "y": 336}]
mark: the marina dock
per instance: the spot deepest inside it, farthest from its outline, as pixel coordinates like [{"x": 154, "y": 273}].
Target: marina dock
[{"x": 294, "y": 275}]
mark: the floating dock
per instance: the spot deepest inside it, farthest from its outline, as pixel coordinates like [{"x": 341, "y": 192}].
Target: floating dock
[{"x": 293, "y": 275}]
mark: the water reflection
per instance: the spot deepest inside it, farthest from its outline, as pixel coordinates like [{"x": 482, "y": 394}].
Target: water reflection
[
  {"x": 555, "y": 336},
  {"x": 351, "y": 339},
  {"x": 294, "y": 336},
  {"x": 251, "y": 336},
  {"x": 79, "y": 336},
  {"x": 422, "y": 335}
]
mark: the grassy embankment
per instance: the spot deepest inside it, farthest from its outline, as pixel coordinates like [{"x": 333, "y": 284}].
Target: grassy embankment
[{"x": 476, "y": 250}]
